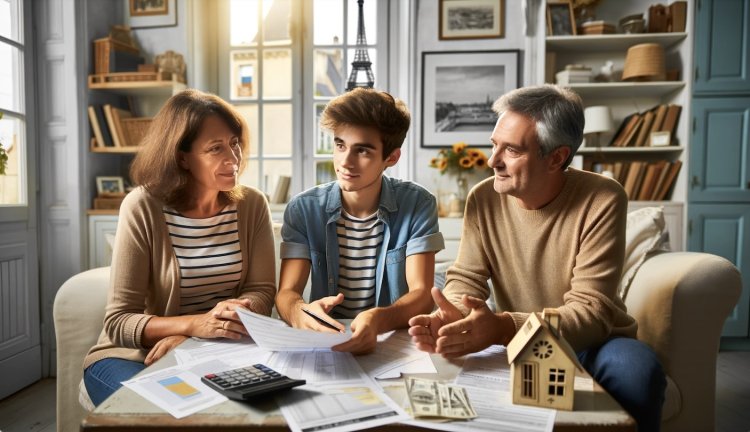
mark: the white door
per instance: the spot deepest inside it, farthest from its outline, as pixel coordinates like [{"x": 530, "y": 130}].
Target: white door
[{"x": 20, "y": 348}]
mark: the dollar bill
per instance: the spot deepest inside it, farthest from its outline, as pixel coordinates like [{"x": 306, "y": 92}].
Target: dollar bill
[{"x": 430, "y": 398}]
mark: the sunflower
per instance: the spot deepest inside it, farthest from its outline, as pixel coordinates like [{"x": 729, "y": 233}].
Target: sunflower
[
  {"x": 459, "y": 147},
  {"x": 480, "y": 162},
  {"x": 442, "y": 165},
  {"x": 466, "y": 162},
  {"x": 434, "y": 162},
  {"x": 474, "y": 153}
]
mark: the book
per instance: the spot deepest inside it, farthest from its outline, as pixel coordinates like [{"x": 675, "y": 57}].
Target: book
[
  {"x": 660, "y": 181},
  {"x": 649, "y": 180},
  {"x": 627, "y": 123},
  {"x": 661, "y": 111},
  {"x": 669, "y": 181},
  {"x": 671, "y": 119},
  {"x": 631, "y": 135},
  {"x": 107, "y": 108},
  {"x": 645, "y": 130},
  {"x": 117, "y": 116},
  {"x": 634, "y": 171},
  {"x": 282, "y": 190},
  {"x": 95, "y": 129},
  {"x": 104, "y": 137}
]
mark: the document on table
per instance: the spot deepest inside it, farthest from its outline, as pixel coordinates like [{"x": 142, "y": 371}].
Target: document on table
[
  {"x": 395, "y": 354},
  {"x": 486, "y": 369},
  {"x": 178, "y": 390},
  {"x": 338, "y": 395},
  {"x": 236, "y": 353},
  {"x": 275, "y": 335}
]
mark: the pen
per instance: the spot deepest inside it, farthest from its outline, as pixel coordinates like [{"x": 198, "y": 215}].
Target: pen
[{"x": 322, "y": 321}]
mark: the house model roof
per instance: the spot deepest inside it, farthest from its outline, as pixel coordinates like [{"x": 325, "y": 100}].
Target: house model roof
[{"x": 533, "y": 325}]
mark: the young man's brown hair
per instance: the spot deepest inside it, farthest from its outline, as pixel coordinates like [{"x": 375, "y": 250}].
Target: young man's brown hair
[{"x": 370, "y": 108}]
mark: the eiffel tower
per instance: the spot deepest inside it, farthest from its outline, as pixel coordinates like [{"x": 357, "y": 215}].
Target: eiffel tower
[{"x": 361, "y": 63}]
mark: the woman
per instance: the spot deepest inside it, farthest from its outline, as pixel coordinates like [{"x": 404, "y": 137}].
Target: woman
[{"x": 191, "y": 245}]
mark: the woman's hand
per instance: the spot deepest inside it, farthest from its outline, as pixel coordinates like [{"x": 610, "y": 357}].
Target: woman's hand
[
  {"x": 222, "y": 321},
  {"x": 163, "y": 347}
]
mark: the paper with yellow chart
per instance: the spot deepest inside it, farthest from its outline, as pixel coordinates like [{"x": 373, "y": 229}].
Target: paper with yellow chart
[{"x": 338, "y": 396}]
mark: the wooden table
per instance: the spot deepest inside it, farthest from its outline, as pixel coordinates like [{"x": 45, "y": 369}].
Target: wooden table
[{"x": 127, "y": 411}]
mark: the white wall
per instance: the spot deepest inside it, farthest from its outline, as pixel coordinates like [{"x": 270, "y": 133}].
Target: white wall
[{"x": 427, "y": 40}]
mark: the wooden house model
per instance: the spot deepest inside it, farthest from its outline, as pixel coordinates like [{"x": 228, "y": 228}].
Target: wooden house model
[{"x": 542, "y": 363}]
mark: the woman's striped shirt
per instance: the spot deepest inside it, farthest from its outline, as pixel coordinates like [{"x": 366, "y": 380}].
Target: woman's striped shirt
[{"x": 208, "y": 253}]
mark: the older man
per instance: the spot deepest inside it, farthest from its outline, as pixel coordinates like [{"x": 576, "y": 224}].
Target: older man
[{"x": 547, "y": 236}]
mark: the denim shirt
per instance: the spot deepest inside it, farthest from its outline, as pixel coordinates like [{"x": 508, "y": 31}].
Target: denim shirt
[{"x": 409, "y": 216}]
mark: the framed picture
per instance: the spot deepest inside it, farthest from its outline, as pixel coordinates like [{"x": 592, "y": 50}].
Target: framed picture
[
  {"x": 110, "y": 186},
  {"x": 471, "y": 19},
  {"x": 150, "y": 13},
  {"x": 458, "y": 90},
  {"x": 560, "y": 18}
]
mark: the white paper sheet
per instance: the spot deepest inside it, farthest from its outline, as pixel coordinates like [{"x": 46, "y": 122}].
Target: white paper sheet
[
  {"x": 339, "y": 396},
  {"x": 395, "y": 354},
  {"x": 486, "y": 369},
  {"x": 236, "y": 353},
  {"x": 176, "y": 390},
  {"x": 275, "y": 335}
]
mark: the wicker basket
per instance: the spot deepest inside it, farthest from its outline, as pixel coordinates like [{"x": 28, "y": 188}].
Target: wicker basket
[
  {"x": 102, "y": 53},
  {"x": 134, "y": 129}
]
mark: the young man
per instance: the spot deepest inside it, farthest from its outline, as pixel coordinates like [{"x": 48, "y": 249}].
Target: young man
[
  {"x": 547, "y": 236},
  {"x": 368, "y": 240}
]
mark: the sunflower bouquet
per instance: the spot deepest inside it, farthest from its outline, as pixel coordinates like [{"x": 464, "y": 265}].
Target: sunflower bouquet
[{"x": 459, "y": 159}]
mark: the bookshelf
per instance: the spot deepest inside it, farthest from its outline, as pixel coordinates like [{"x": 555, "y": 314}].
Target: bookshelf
[{"x": 625, "y": 98}]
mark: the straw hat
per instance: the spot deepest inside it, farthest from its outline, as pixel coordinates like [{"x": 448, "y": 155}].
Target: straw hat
[{"x": 644, "y": 62}]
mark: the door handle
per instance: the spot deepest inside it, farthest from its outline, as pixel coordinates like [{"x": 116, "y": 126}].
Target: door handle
[{"x": 697, "y": 182}]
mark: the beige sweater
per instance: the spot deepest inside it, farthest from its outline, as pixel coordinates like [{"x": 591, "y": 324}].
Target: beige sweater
[
  {"x": 567, "y": 255},
  {"x": 145, "y": 276}
]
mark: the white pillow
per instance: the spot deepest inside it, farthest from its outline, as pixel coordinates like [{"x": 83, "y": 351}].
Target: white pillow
[{"x": 645, "y": 233}]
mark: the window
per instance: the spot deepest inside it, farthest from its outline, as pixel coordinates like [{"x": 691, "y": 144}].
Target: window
[
  {"x": 13, "y": 186},
  {"x": 528, "y": 383},
  {"x": 285, "y": 59},
  {"x": 556, "y": 382}
]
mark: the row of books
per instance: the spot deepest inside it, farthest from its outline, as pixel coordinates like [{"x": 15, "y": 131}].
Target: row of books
[
  {"x": 636, "y": 129},
  {"x": 644, "y": 181},
  {"x": 108, "y": 126}
]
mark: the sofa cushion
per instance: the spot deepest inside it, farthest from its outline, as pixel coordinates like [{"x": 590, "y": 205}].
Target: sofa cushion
[{"x": 645, "y": 233}]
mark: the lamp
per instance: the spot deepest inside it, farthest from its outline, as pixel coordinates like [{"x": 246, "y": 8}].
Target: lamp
[{"x": 598, "y": 119}]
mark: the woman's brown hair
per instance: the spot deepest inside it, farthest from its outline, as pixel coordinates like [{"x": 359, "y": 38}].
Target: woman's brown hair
[{"x": 173, "y": 130}]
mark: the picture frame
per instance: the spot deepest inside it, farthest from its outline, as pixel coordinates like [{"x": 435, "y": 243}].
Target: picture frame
[
  {"x": 560, "y": 18},
  {"x": 108, "y": 186},
  {"x": 660, "y": 139},
  {"x": 458, "y": 90},
  {"x": 150, "y": 13},
  {"x": 471, "y": 19}
]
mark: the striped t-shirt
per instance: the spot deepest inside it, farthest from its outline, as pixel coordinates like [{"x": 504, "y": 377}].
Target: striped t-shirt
[
  {"x": 208, "y": 253},
  {"x": 359, "y": 243}
]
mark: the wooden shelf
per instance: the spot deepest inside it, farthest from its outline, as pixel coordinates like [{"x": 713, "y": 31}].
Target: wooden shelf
[
  {"x": 141, "y": 88},
  {"x": 108, "y": 212},
  {"x": 115, "y": 150},
  {"x": 611, "y": 42},
  {"x": 627, "y": 89},
  {"x": 628, "y": 150}
]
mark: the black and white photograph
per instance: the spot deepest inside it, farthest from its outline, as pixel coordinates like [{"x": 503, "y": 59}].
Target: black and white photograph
[
  {"x": 560, "y": 19},
  {"x": 458, "y": 90},
  {"x": 110, "y": 185},
  {"x": 471, "y": 19},
  {"x": 150, "y": 13}
]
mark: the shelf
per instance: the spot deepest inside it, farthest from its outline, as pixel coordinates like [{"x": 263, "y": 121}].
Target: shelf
[
  {"x": 108, "y": 212},
  {"x": 115, "y": 150},
  {"x": 611, "y": 42},
  {"x": 628, "y": 150},
  {"x": 141, "y": 88},
  {"x": 624, "y": 89}
]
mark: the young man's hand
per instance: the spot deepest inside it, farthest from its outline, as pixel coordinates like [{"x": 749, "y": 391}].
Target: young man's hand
[
  {"x": 364, "y": 334},
  {"x": 320, "y": 308},
  {"x": 424, "y": 328}
]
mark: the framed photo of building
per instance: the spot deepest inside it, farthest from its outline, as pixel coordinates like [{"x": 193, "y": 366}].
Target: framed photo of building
[
  {"x": 110, "y": 186},
  {"x": 560, "y": 18},
  {"x": 150, "y": 13},
  {"x": 471, "y": 19},
  {"x": 458, "y": 90}
]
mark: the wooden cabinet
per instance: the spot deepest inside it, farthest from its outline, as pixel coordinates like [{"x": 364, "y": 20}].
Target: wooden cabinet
[
  {"x": 722, "y": 47},
  {"x": 102, "y": 228}
]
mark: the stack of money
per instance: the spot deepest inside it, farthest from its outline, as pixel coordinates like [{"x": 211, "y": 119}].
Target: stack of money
[{"x": 436, "y": 399}]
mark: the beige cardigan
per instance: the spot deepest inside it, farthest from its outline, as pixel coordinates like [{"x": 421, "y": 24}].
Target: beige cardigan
[
  {"x": 145, "y": 276},
  {"x": 567, "y": 255}
]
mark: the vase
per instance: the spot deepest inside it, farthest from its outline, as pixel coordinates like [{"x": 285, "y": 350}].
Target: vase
[{"x": 458, "y": 201}]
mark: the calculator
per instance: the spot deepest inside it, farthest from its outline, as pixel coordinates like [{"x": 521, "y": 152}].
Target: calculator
[{"x": 248, "y": 382}]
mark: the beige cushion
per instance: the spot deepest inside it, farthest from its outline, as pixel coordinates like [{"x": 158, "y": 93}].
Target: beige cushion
[{"x": 645, "y": 234}]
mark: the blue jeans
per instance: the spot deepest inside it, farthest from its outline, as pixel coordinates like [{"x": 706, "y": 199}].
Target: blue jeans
[
  {"x": 106, "y": 376},
  {"x": 630, "y": 371}
]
